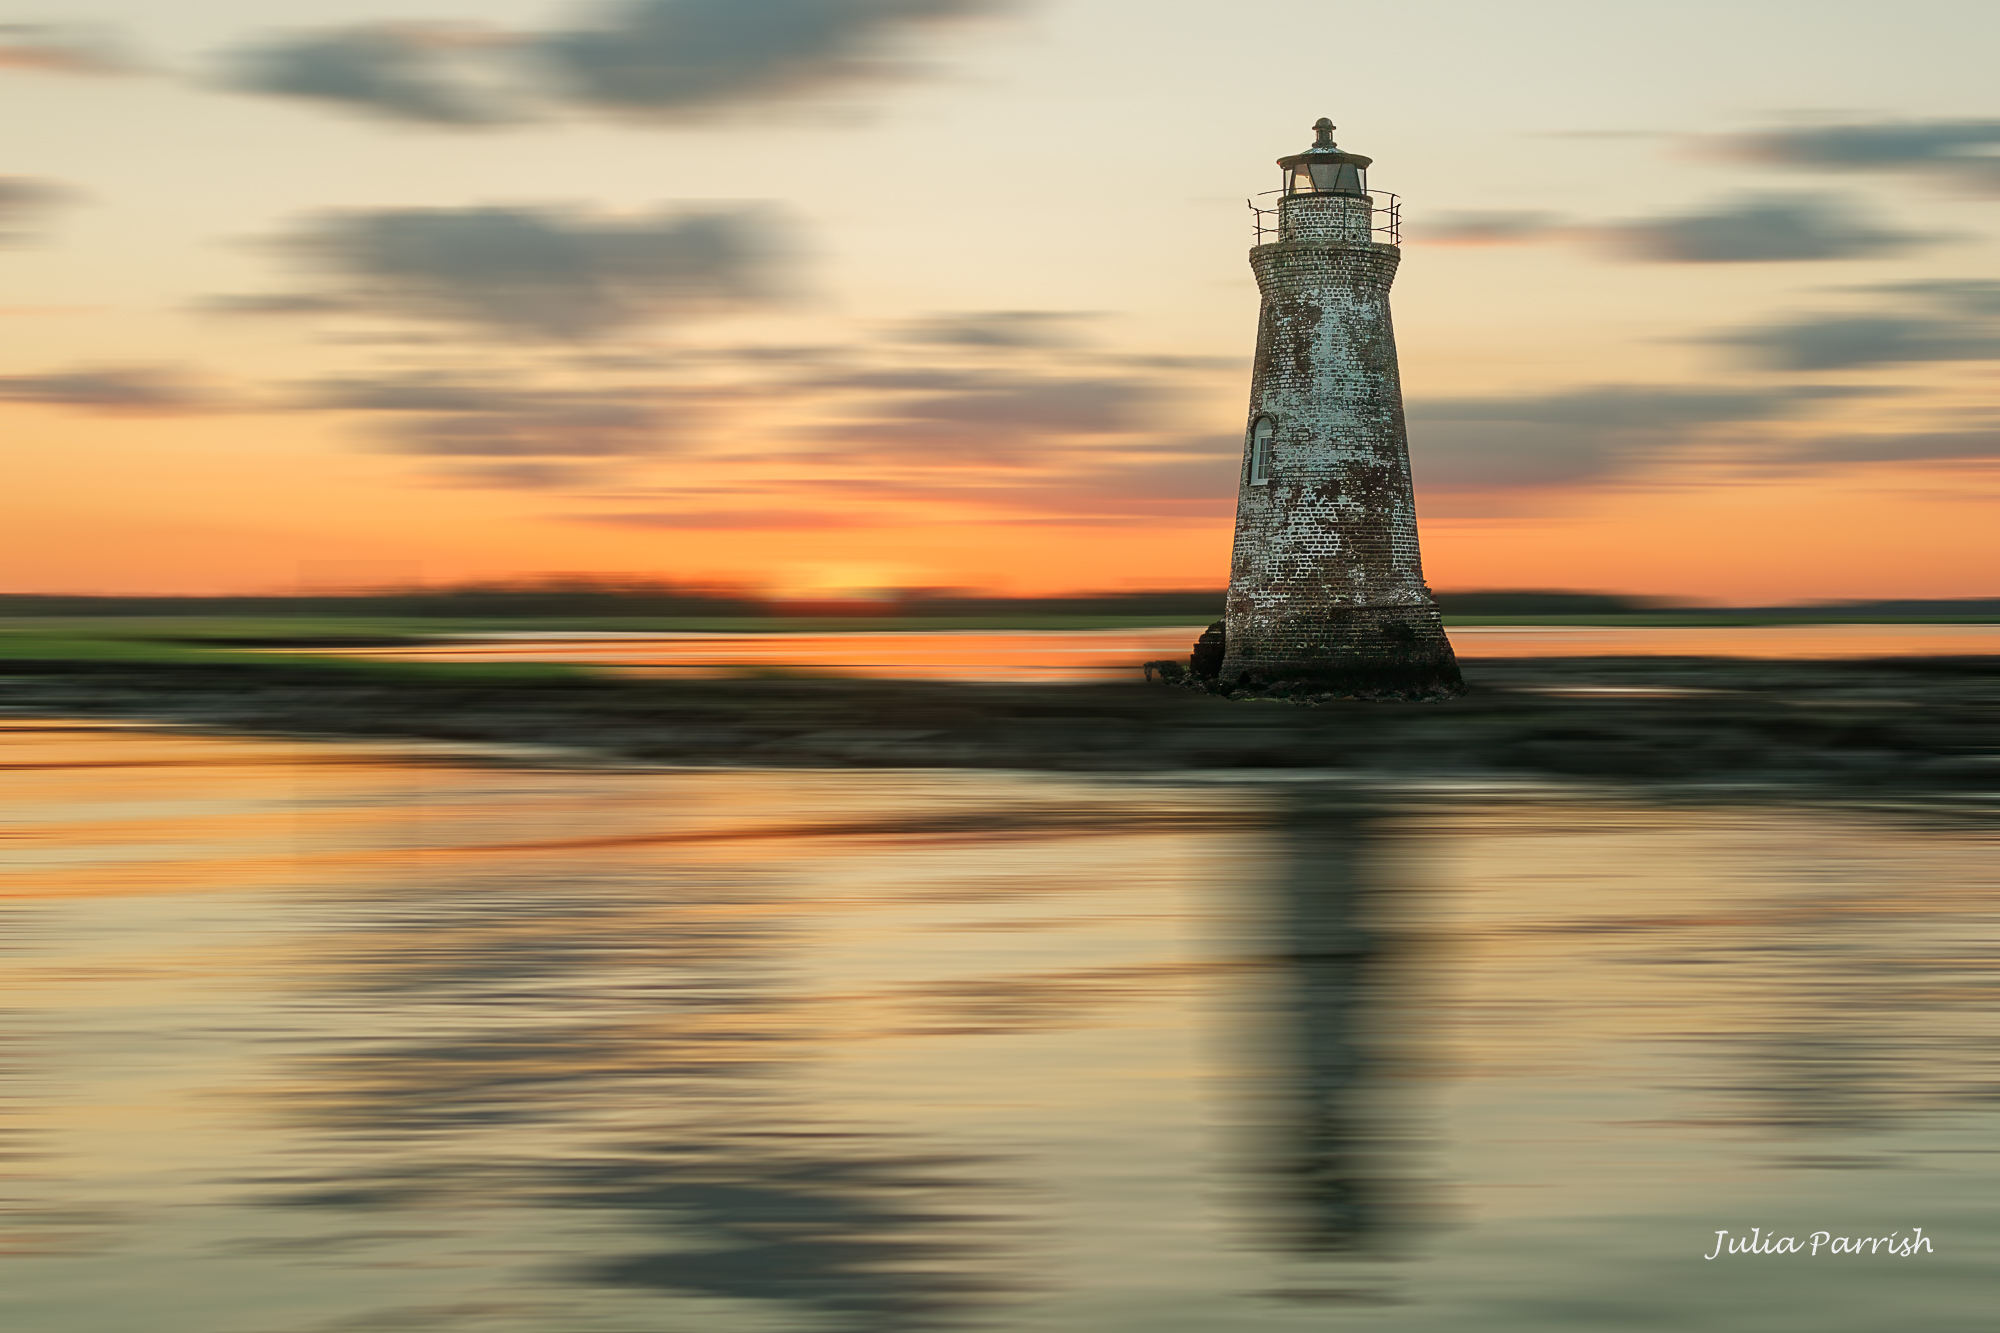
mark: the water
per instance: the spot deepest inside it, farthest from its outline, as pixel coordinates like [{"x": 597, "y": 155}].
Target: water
[
  {"x": 318, "y": 1037},
  {"x": 1072, "y": 655}
]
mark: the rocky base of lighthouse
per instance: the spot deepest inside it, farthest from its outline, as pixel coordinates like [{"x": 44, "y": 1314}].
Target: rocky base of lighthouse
[{"x": 1368, "y": 652}]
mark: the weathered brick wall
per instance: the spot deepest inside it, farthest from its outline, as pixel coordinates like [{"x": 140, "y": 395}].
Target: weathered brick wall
[
  {"x": 1326, "y": 577},
  {"x": 1326, "y": 217}
]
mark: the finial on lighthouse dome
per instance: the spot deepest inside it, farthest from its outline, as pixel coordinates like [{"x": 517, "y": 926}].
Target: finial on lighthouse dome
[{"x": 1323, "y": 168}]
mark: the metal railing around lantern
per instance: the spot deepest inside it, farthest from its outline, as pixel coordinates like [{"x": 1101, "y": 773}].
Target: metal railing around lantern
[{"x": 1385, "y": 217}]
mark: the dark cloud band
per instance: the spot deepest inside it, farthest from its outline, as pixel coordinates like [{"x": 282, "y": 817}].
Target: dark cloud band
[
  {"x": 648, "y": 59},
  {"x": 1754, "y": 229},
  {"x": 1919, "y": 322},
  {"x": 26, "y": 205},
  {"x": 1958, "y": 151},
  {"x": 117, "y": 390},
  {"x": 537, "y": 273},
  {"x": 1583, "y": 435},
  {"x": 409, "y": 72}
]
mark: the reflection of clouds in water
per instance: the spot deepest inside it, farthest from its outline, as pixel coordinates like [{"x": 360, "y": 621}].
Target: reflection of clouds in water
[
  {"x": 1023, "y": 1002},
  {"x": 1860, "y": 987},
  {"x": 614, "y": 1036},
  {"x": 1813, "y": 977},
  {"x": 516, "y": 1004},
  {"x": 503, "y": 1051},
  {"x": 857, "y": 1235}
]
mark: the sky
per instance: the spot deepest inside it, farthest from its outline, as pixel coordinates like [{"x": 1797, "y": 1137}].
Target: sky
[{"x": 819, "y": 297}]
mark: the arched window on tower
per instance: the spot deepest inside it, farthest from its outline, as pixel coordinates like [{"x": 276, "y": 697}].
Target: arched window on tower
[{"x": 1261, "y": 432}]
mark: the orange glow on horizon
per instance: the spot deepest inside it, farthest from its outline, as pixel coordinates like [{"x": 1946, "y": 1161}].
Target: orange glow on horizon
[{"x": 211, "y": 507}]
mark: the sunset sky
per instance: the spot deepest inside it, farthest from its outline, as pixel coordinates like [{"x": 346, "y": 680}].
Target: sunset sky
[{"x": 818, "y": 296}]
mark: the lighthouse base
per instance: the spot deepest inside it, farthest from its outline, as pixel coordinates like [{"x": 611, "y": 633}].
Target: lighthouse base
[{"x": 1379, "y": 652}]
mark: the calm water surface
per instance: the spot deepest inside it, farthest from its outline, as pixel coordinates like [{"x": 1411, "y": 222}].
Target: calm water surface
[
  {"x": 308, "y": 1038},
  {"x": 1069, "y": 655}
]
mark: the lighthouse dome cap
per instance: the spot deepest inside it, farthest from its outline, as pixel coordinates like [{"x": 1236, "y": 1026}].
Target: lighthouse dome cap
[{"x": 1324, "y": 149}]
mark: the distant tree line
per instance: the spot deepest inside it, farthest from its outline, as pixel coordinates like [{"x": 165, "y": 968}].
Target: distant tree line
[{"x": 592, "y": 598}]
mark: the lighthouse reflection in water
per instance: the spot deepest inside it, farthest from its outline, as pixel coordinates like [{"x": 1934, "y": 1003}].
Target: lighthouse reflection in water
[{"x": 329, "y": 1037}]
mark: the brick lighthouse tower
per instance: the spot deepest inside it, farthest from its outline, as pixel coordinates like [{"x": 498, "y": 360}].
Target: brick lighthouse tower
[{"x": 1326, "y": 590}]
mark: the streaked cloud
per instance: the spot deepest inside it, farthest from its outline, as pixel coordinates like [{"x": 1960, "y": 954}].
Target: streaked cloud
[
  {"x": 663, "y": 57},
  {"x": 25, "y": 205},
  {"x": 996, "y": 417},
  {"x": 116, "y": 390},
  {"x": 1490, "y": 226},
  {"x": 547, "y": 274},
  {"x": 1581, "y": 435},
  {"x": 1037, "y": 329},
  {"x": 1761, "y": 229},
  {"x": 645, "y": 59},
  {"x": 976, "y": 416},
  {"x": 1083, "y": 489},
  {"x": 1963, "y": 296},
  {"x": 427, "y": 73},
  {"x": 736, "y": 520},
  {"x": 1965, "y": 153},
  {"x": 1752, "y": 229},
  {"x": 1846, "y": 342},
  {"x": 61, "y": 49},
  {"x": 1980, "y": 445},
  {"x": 1170, "y": 486},
  {"x": 518, "y": 475},
  {"x": 978, "y": 402},
  {"x": 541, "y": 433},
  {"x": 1617, "y": 406},
  {"x": 1918, "y": 322}
]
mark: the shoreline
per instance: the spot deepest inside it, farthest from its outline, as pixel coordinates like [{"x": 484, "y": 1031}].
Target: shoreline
[{"x": 1906, "y": 726}]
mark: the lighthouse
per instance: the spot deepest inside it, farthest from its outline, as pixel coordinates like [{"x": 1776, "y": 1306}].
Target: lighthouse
[{"x": 1326, "y": 588}]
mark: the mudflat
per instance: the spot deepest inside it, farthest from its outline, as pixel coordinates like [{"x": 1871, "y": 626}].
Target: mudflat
[{"x": 1909, "y": 726}]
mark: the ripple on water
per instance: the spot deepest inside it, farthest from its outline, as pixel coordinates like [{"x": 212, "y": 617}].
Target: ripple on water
[{"x": 336, "y": 1036}]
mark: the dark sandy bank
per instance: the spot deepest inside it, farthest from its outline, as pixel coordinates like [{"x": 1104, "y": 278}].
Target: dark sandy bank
[{"x": 1928, "y": 726}]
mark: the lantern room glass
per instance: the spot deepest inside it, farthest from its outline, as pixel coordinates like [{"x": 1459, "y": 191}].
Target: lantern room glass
[{"x": 1326, "y": 178}]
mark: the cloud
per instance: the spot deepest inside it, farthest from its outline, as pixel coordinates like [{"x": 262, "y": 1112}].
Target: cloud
[
  {"x": 1004, "y": 418},
  {"x": 1008, "y": 387},
  {"x": 1760, "y": 229},
  {"x": 534, "y": 428},
  {"x": 520, "y": 476},
  {"x": 428, "y": 73},
  {"x": 117, "y": 390},
  {"x": 927, "y": 378},
  {"x": 276, "y": 303},
  {"x": 663, "y": 57},
  {"x": 1752, "y": 229},
  {"x": 25, "y": 204},
  {"x": 1962, "y": 152},
  {"x": 1036, "y": 329},
  {"x": 1615, "y": 407},
  {"x": 1494, "y": 226},
  {"x": 1927, "y": 322},
  {"x": 536, "y": 273},
  {"x": 1164, "y": 487},
  {"x": 1844, "y": 342},
  {"x": 1578, "y": 436},
  {"x": 60, "y": 49},
  {"x": 956, "y": 413},
  {"x": 649, "y": 59},
  {"x": 736, "y": 520},
  {"x": 1963, "y": 296},
  {"x": 1928, "y": 446},
  {"x": 1086, "y": 493}
]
